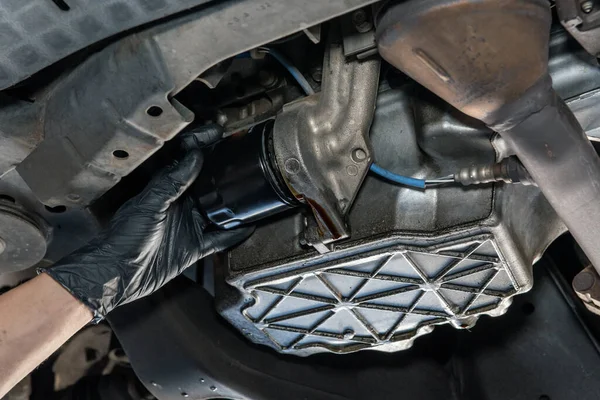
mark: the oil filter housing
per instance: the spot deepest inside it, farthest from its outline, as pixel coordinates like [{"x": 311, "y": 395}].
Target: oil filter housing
[{"x": 241, "y": 183}]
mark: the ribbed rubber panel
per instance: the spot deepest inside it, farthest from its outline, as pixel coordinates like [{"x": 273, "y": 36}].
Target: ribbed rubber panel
[{"x": 37, "y": 33}]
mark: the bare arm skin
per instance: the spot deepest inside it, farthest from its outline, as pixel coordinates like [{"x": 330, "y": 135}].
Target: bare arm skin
[
  {"x": 36, "y": 318},
  {"x": 153, "y": 238}
]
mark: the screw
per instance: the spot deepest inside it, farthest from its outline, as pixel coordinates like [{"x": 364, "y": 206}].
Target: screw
[
  {"x": 359, "y": 155},
  {"x": 587, "y": 6},
  {"x": 349, "y": 334},
  {"x": 361, "y": 22},
  {"x": 213, "y": 388}
]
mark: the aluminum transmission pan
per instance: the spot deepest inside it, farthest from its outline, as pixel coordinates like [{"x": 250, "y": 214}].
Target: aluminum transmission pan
[{"x": 382, "y": 299}]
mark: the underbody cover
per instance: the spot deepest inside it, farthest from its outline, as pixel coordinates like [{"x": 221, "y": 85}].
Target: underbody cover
[{"x": 36, "y": 34}]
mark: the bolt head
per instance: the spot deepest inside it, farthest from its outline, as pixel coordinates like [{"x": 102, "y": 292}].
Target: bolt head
[
  {"x": 359, "y": 155},
  {"x": 583, "y": 282},
  {"x": 587, "y": 6},
  {"x": 361, "y": 21},
  {"x": 359, "y": 17}
]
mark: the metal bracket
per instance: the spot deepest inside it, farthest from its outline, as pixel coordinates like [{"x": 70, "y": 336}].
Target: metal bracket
[
  {"x": 359, "y": 35},
  {"x": 581, "y": 19},
  {"x": 321, "y": 142}
]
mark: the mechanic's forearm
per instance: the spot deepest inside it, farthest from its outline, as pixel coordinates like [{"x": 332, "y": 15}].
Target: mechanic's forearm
[{"x": 36, "y": 319}]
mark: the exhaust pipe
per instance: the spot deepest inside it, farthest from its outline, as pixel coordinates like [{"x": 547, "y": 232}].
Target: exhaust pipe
[{"x": 489, "y": 59}]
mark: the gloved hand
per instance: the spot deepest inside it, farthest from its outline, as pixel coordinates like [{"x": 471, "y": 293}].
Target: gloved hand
[{"x": 153, "y": 238}]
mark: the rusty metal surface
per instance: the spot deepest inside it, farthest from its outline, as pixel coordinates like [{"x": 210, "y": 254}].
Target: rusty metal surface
[{"x": 476, "y": 55}]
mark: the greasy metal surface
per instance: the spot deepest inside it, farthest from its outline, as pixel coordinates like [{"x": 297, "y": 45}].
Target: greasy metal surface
[
  {"x": 23, "y": 237},
  {"x": 493, "y": 66},
  {"x": 417, "y": 134},
  {"x": 107, "y": 103},
  {"x": 587, "y": 287},
  {"x": 476, "y": 55},
  {"x": 321, "y": 142},
  {"x": 582, "y": 25},
  {"x": 538, "y": 348},
  {"x": 382, "y": 299}
]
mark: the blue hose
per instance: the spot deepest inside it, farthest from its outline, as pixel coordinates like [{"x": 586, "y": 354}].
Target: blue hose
[
  {"x": 291, "y": 69},
  {"x": 403, "y": 180}
]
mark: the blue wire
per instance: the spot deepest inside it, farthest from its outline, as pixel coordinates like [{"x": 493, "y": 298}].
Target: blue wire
[
  {"x": 403, "y": 180},
  {"x": 292, "y": 70}
]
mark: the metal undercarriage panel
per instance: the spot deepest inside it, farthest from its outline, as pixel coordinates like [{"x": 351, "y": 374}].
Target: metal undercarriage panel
[{"x": 36, "y": 34}]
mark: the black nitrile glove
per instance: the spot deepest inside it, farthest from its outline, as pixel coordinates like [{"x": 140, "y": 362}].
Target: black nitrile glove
[{"x": 153, "y": 238}]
